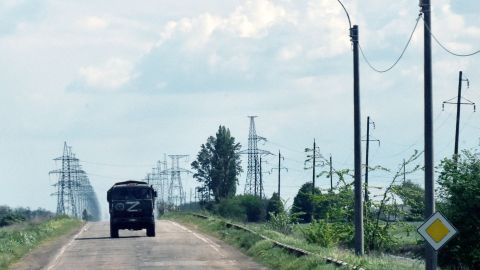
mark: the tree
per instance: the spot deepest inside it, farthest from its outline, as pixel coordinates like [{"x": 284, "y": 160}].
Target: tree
[
  {"x": 303, "y": 205},
  {"x": 274, "y": 205},
  {"x": 218, "y": 164},
  {"x": 412, "y": 196},
  {"x": 459, "y": 190}
]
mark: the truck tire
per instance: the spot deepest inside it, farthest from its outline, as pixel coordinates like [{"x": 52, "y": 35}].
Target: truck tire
[
  {"x": 151, "y": 230},
  {"x": 113, "y": 231}
]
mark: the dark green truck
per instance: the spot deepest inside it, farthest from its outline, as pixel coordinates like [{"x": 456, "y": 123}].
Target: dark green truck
[{"x": 131, "y": 205}]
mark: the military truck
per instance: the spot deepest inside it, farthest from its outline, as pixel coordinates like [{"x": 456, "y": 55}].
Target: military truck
[{"x": 131, "y": 205}]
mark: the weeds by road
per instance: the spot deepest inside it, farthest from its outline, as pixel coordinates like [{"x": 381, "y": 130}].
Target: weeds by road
[
  {"x": 275, "y": 258},
  {"x": 18, "y": 240}
]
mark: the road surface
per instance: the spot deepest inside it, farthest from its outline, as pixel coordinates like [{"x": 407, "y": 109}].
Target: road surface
[{"x": 174, "y": 247}]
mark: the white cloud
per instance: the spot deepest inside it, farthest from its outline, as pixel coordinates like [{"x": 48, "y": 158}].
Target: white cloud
[
  {"x": 290, "y": 52},
  {"x": 112, "y": 75},
  {"x": 256, "y": 17},
  {"x": 253, "y": 19},
  {"x": 93, "y": 23}
]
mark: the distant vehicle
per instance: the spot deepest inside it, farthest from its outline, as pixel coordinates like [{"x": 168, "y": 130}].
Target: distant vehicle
[{"x": 131, "y": 205}]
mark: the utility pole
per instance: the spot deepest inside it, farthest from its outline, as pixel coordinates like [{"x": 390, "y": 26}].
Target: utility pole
[
  {"x": 457, "y": 127},
  {"x": 279, "y": 168},
  {"x": 359, "y": 238},
  {"x": 458, "y": 103},
  {"x": 313, "y": 167},
  {"x": 331, "y": 174},
  {"x": 261, "y": 178},
  {"x": 358, "y": 205},
  {"x": 255, "y": 184},
  {"x": 404, "y": 173},
  {"x": 367, "y": 150},
  {"x": 313, "y": 158},
  {"x": 430, "y": 253}
]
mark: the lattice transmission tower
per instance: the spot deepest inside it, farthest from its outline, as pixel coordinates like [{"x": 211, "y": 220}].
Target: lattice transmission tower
[
  {"x": 176, "y": 194},
  {"x": 159, "y": 180},
  {"x": 75, "y": 195},
  {"x": 253, "y": 185}
]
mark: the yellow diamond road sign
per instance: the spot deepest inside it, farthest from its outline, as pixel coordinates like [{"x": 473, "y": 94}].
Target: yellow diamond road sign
[{"x": 437, "y": 230}]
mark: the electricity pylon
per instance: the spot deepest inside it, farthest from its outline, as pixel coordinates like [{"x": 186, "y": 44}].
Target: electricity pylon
[
  {"x": 252, "y": 183},
  {"x": 75, "y": 195},
  {"x": 176, "y": 194}
]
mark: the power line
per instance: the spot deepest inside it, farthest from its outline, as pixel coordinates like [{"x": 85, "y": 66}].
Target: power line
[
  {"x": 398, "y": 59},
  {"x": 445, "y": 48},
  {"x": 113, "y": 165}
]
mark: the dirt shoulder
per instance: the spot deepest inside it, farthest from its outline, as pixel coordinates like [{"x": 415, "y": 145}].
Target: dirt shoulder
[{"x": 41, "y": 256}]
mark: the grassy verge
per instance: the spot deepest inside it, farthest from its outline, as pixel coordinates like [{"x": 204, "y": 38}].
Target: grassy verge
[
  {"x": 276, "y": 258},
  {"x": 18, "y": 240},
  {"x": 261, "y": 250}
]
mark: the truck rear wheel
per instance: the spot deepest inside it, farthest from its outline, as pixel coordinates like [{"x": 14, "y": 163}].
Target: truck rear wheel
[
  {"x": 113, "y": 231},
  {"x": 151, "y": 230}
]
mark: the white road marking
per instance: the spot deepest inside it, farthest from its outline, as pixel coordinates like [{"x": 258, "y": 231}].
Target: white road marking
[
  {"x": 65, "y": 247},
  {"x": 212, "y": 244}
]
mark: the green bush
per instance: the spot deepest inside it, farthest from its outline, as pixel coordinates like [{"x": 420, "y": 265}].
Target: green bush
[
  {"x": 274, "y": 205},
  {"x": 231, "y": 208},
  {"x": 280, "y": 222},
  {"x": 320, "y": 232},
  {"x": 303, "y": 203},
  {"x": 243, "y": 208},
  {"x": 460, "y": 202},
  {"x": 328, "y": 234},
  {"x": 255, "y": 208}
]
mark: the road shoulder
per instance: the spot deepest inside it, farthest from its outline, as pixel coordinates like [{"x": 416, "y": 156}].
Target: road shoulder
[{"x": 41, "y": 256}]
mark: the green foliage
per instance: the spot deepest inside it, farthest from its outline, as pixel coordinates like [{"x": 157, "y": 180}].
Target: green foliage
[
  {"x": 274, "y": 205},
  {"x": 218, "y": 165},
  {"x": 321, "y": 233},
  {"x": 276, "y": 258},
  {"x": 337, "y": 206},
  {"x": 9, "y": 216},
  {"x": 460, "y": 201},
  {"x": 303, "y": 203},
  {"x": 378, "y": 236},
  {"x": 327, "y": 234},
  {"x": 242, "y": 207},
  {"x": 254, "y": 208},
  {"x": 232, "y": 208},
  {"x": 17, "y": 241},
  {"x": 412, "y": 196},
  {"x": 377, "y": 233},
  {"x": 280, "y": 222}
]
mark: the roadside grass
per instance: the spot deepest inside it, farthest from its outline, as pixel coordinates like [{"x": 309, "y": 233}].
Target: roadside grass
[
  {"x": 17, "y": 240},
  {"x": 261, "y": 250},
  {"x": 276, "y": 258}
]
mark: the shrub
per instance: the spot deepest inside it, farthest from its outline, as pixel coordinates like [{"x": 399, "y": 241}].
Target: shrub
[
  {"x": 243, "y": 207},
  {"x": 254, "y": 208},
  {"x": 460, "y": 202},
  {"x": 320, "y": 232},
  {"x": 280, "y": 222},
  {"x": 232, "y": 208},
  {"x": 274, "y": 205},
  {"x": 303, "y": 204}
]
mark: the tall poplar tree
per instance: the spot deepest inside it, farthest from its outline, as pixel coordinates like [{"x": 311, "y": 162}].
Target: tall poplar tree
[{"x": 218, "y": 164}]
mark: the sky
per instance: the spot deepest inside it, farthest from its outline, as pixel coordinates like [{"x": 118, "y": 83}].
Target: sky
[{"x": 125, "y": 83}]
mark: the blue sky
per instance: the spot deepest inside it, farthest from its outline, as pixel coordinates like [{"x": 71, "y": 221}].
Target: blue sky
[{"x": 125, "y": 83}]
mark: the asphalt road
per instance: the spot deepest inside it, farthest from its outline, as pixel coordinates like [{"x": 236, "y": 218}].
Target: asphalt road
[{"x": 174, "y": 247}]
